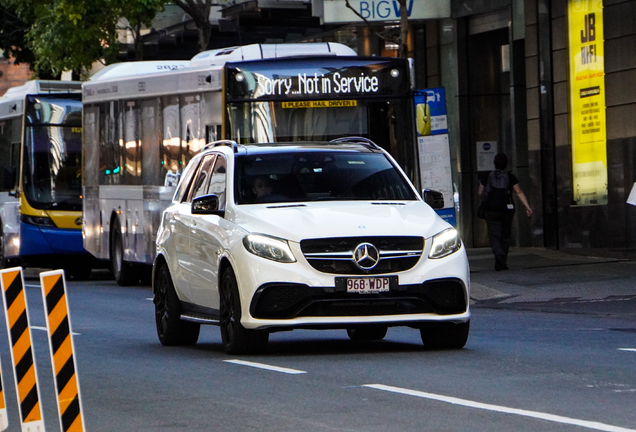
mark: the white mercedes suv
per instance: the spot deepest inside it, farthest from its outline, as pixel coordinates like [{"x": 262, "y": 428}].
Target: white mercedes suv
[{"x": 268, "y": 237}]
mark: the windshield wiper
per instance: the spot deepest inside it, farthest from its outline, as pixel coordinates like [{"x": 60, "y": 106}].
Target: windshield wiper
[{"x": 73, "y": 201}]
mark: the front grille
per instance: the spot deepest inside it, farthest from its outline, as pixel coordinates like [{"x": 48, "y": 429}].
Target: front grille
[
  {"x": 286, "y": 301},
  {"x": 335, "y": 255},
  {"x": 356, "y": 307}
]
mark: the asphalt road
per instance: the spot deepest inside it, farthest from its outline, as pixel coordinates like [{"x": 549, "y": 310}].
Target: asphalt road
[{"x": 522, "y": 370}]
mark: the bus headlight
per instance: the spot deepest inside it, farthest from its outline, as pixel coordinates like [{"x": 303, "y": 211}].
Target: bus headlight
[
  {"x": 445, "y": 243},
  {"x": 37, "y": 220},
  {"x": 268, "y": 247}
]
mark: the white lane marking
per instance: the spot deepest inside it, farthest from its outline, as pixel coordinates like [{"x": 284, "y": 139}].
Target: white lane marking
[
  {"x": 502, "y": 409},
  {"x": 267, "y": 367},
  {"x": 32, "y": 286},
  {"x": 627, "y": 349},
  {"x": 44, "y": 329}
]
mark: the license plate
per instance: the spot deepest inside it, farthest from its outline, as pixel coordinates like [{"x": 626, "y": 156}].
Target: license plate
[{"x": 367, "y": 285}]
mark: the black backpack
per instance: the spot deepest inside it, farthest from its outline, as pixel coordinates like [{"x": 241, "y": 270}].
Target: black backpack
[{"x": 496, "y": 194}]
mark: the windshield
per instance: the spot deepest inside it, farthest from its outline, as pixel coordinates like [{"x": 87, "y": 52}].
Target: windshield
[
  {"x": 52, "y": 160},
  {"x": 267, "y": 122},
  {"x": 264, "y": 122},
  {"x": 384, "y": 122},
  {"x": 318, "y": 176}
]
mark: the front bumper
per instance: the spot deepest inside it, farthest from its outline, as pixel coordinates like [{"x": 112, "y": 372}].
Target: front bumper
[
  {"x": 289, "y": 301},
  {"x": 38, "y": 240},
  {"x": 280, "y": 296}
]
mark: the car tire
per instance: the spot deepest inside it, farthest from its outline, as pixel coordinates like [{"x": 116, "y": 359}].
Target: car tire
[
  {"x": 236, "y": 338},
  {"x": 445, "y": 335},
  {"x": 367, "y": 333},
  {"x": 171, "y": 329},
  {"x": 122, "y": 271}
]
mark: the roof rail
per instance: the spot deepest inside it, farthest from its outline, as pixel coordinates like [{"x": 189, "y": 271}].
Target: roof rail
[
  {"x": 229, "y": 143},
  {"x": 358, "y": 140}
]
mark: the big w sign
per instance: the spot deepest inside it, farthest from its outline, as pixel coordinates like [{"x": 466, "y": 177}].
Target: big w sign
[{"x": 336, "y": 11}]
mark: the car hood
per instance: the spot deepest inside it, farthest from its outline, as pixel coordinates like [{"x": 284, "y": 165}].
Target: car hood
[{"x": 340, "y": 219}]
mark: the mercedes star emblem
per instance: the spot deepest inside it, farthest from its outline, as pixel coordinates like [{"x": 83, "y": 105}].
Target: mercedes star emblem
[{"x": 366, "y": 256}]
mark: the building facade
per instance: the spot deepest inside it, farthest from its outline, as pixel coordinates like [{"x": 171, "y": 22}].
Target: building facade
[
  {"x": 549, "y": 82},
  {"x": 12, "y": 75},
  {"x": 552, "y": 84}
]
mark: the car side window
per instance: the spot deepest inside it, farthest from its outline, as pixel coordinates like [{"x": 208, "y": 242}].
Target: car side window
[
  {"x": 217, "y": 182},
  {"x": 202, "y": 178},
  {"x": 181, "y": 192}
]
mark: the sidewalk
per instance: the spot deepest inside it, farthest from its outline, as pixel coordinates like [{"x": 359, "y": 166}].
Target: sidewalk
[{"x": 547, "y": 280}]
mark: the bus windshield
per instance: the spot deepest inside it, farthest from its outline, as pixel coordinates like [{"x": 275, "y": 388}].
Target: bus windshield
[
  {"x": 337, "y": 175},
  {"x": 266, "y": 122},
  {"x": 52, "y": 158}
]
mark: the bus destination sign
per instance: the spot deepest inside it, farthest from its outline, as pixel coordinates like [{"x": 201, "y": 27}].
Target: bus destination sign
[
  {"x": 314, "y": 85},
  {"x": 331, "y": 78}
]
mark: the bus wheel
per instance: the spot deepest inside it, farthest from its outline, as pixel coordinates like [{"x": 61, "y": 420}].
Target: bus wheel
[{"x": 122, "y": 270}]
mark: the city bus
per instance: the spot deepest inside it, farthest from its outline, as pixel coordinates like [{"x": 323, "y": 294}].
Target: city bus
[
  {"x": 144, "y": 121},
  {"x": 40, "y": 177}
]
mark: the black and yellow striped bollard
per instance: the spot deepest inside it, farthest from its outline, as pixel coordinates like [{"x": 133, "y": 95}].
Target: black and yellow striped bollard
[
  {"x": 62, "y": 348},
  {"x": 25, "y": 374},
  {"x": 4, "y": 420}
]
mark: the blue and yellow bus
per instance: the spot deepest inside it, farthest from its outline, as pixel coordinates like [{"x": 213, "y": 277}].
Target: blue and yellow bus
[{"x": 40, "y": 177}]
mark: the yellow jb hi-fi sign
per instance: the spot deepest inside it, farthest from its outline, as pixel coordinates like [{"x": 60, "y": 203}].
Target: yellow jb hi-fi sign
[{"x": 587, "y": 99}]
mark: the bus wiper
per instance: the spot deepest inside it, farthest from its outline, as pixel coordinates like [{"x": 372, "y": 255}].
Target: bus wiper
[{"x": 60, "y": 203}]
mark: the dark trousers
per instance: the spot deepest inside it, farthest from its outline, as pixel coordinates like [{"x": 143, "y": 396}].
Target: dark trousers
[{"x": 499, "y": 225}]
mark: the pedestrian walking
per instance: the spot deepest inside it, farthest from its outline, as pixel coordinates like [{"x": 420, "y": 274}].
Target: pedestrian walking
[{"x": 498, "y": 206}]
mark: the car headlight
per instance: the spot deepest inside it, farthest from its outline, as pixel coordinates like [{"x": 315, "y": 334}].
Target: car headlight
[
  {"x": 445, "y": 243},
  {"x": 272, "y": 248}
]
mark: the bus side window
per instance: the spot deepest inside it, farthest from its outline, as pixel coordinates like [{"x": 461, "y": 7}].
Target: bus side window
[
  {"x": 8, "y": 176},
  {"x": 211, "y": 115},
  {"x": 110, "y": 166},
  {"x": 151, "y": 172},
  {"x": 192, "y": 139},
  {"x": 91, "y": 148},
  {"x": 211, "y": 133},
  {"x": 171, "y": 138},
  {"x": 9, "y": 154},
  {"x": 15, "y": 154},
  {"x": 132, "y": 150}
]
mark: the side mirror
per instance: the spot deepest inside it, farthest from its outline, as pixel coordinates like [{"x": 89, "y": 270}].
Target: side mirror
[
  {"x": 433, "y": 198},
  {"x": 207, "y": 205},
  {"x": 7, "y": 178}
]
